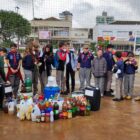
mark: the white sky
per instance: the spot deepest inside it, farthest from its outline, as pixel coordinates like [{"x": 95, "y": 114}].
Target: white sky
[{"x": 84, "y": 11}]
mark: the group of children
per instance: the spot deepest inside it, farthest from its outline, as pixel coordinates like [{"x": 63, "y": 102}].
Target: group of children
[
  {"x": 37, "y": 65},
  {"x": 105, "y": 64}
]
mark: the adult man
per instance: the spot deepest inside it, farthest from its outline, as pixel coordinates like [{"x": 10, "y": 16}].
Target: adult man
[
  {"x": 84, "y": 63},
  {"x": 110, "y": 63}
]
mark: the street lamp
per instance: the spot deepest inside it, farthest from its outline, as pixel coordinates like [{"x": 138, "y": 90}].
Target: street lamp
[
  {"x": 0, "y": 24},
  {"x": 17, "y": 9}
]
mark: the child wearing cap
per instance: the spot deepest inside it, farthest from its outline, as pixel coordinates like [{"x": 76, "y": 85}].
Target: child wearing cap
[
  {"x": 84, "y": 64},
  {"x": 130, "y": 67}
]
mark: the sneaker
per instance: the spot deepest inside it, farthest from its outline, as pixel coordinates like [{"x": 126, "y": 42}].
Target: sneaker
[
  {"x": 108, "y": 94},
  {"x": 62, "y": 92},
  {"x": 137, "y": 98},
  {"x": 128, "y": 97},
  {"x": 111, "y": 90},
  {"x": 66, "y": 92},
  {"x": 116, "y": 99},
  {"x": 124, "y": 96}
]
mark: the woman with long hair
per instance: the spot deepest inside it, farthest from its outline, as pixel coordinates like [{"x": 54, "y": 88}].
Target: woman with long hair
[{"x": 45, "y": 69}]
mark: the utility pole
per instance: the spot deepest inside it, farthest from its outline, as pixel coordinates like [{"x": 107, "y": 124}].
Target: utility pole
[
  {"x": 17, "y": 9},
  {"x": 33, "y": 12},
  {"x": 0, "y": 32}
]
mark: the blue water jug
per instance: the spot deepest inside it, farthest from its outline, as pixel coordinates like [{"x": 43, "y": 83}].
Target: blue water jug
[{"x": 50, "y": 92}]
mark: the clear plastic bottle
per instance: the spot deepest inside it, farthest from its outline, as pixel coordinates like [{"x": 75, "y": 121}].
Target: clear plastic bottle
[{"x": 51, "y": 116}]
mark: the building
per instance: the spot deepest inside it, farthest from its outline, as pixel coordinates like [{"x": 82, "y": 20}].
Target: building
[
  {"x": 80, "y": 36},
  {"x": 125, "y": 35},
  {"x": 52, "y": 28},
  {"x": 104, "y": 19},
  {"x": 56, "y": 30}
]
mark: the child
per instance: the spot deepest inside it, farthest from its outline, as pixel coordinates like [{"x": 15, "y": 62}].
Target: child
[
  {"x": 3, "y": 52},
  {"x": 45, "y": 69},
  {"x": 14, "y": 63},
  {"x": 99, "y": 70},
  {"x": 119, "y": 72},
  {"x": 60, "y": 56},
  {"x": 130, "y": 66},
  {"x": 71, "y": 67},
  {"x": 28, "y": 63}
]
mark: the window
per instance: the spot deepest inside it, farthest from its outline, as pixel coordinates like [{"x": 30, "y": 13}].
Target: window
[
  {"x": 107, "y": 33},
  {"x": 122, "y": 34}
]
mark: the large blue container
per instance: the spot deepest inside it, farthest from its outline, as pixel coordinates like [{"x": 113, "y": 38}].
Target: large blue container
[{"x": 50, "y": 92}]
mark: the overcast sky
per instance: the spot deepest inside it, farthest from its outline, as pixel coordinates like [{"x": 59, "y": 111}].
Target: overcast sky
[{"x": 84, "y": 11}]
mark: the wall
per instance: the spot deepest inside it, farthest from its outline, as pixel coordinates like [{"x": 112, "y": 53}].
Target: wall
[{"x": 118, "y": 31}]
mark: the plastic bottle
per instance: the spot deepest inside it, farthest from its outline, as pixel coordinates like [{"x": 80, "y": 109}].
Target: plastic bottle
[
  {"x": 69, "y": 114},
  {"x": 11, "y": 108},
  {"x": 51, "y": 116},
  {"x": 88, "y": 108},
  {"x": 5, "y": 106},
  {"x": 47, "y": 117},
  {"x": 56, "y": 111},
  {"x": 74, "y": 110},
  {"x": 28, "y": 85},
  {"x": 35, "y": 114},
  {"x": 82, "y": 109},
  {"x": 42, "y": 117}
]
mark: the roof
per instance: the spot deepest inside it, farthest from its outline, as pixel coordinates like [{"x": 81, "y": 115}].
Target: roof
[
  {"x": 52, "y": 18},
  {"x": 126, "y": 22},
  {"x": 49, "y": 19},
  {"x": 66, "y": 13}
]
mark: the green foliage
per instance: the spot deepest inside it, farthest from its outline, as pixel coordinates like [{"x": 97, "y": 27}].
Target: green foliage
[
  {"x": 104, "y": 43},
  {"x": 93, "y": 47},
  {"x": 6, "y": 43},
  {"x": 13, "y": 26},
  {"x": 54, "y": 44}
]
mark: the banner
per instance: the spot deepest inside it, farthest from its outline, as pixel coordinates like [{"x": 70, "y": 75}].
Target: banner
[{"x": 44, "y": 35}]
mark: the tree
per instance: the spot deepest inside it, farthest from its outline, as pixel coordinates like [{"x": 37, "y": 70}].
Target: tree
[{"x": 13, "y": 26}]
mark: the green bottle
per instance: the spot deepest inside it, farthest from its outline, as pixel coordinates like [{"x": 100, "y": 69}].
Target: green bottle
[
  {"x": 28, "y": 85},
  {"x": 88, "y": 108}
]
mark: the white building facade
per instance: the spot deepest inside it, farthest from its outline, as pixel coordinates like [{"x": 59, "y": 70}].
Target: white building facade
[{"x": 115, "y": 32}]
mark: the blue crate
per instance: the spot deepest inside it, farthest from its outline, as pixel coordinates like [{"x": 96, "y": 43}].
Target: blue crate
[{"x": 51, "y": 92}]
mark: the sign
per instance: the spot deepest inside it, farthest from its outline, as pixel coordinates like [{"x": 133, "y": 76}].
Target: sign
[
  {"x": 44, "y": 35},
  {"x": 107, "y": 38}
]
